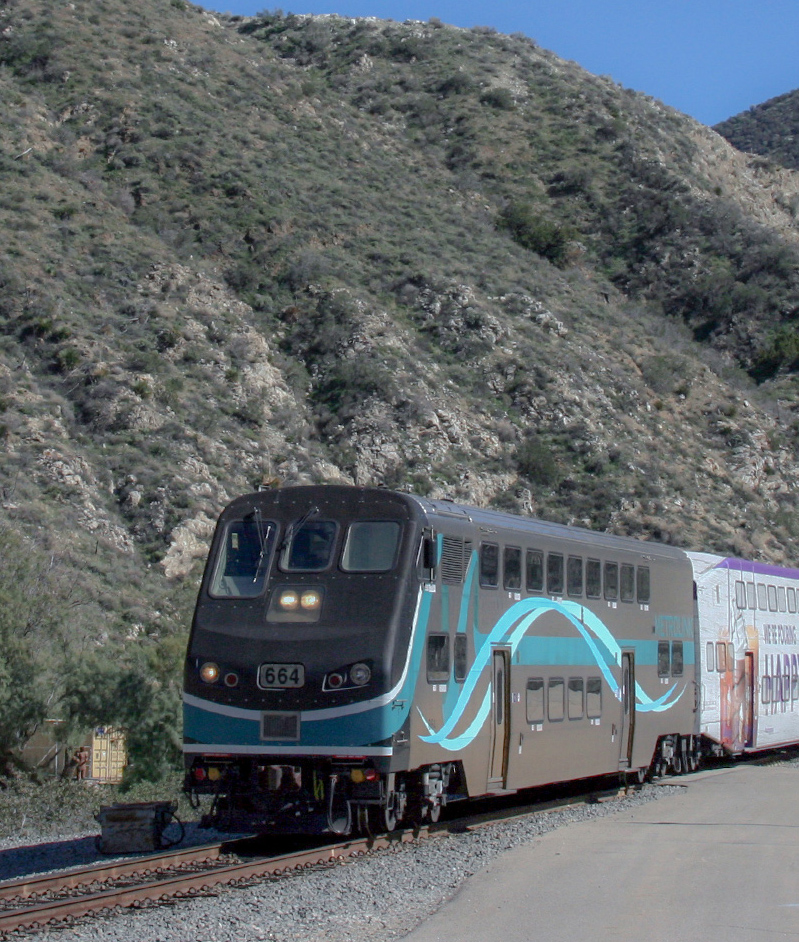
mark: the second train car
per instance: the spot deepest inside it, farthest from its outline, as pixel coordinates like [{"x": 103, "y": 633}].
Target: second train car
[{"x": 748, "y": 657}]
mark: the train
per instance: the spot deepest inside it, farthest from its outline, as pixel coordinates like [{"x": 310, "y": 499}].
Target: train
[{"x": 361, "y": 657}]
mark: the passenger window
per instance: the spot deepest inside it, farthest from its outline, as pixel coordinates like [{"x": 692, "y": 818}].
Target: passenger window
[
  {"x": 751, "y": 601},
  {"x": 772, "y": 598},
  {"x": 593, "y": 579},
  {"x": 781, "y": 603},
  {"x": 513, "y": 568},
  {"x": 740, "y": 595},
  {"x": 710, "y": 656},
  {"x": 489, "y": 565},
  {"x": 438, "y": 659},
  {"x": 574, "y": 575},
  {"x": 642, "y": 585},
  {"x": 593, "y": 698},
  {"x": 311, "y": 547},
  {"x": 761, "y": 597},
  {"x": 555, "y": 699},
  {"x": 792, "y": 601},
  {"x": 664, "y": 659},
  {"x": 371, "y": 546},
  {"x": 676, "y": 659},
  {"x": 627, "y": 582},
  {"x": 730, "y": 656},
  {"x": 576, "y": 709},
  {"x": 243, "y": 560},
  {"x": 461, "y": 657},
  {"x": 535, "y": 700},
  {"x": 535, "y": 571},
  {"x": 721, "y": 657},
  {"x": 611, "y": 580},
  {"x": 554, "y": 574}
]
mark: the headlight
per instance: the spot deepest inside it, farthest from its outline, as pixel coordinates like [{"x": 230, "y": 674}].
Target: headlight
[
  {"x": 209, "y": 673},
  {"x": 296, "y": 604},
  {"x": 360, "y": 674},
  {"x": 310, "y": 600},
  {"x": 347, "y": 678},
  {"x": 289, "y": 600}
]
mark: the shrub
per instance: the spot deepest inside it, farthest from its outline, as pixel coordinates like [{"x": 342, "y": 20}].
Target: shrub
[
  {"x": 542, "y": 236},
  {"x": 781, "y": 351},
  {"x": 536, "y": 462},
  {"x": 499, "y": 98}
]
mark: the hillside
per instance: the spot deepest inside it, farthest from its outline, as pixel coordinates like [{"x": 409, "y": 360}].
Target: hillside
[
  {"x": 770, "y": 129},
  {"x": 287, "y": 249}
]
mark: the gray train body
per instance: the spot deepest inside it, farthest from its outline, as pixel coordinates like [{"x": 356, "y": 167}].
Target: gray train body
[{"x": 360, "y": 657}]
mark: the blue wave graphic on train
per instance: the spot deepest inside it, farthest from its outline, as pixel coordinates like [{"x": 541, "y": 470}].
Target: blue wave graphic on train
[{"x": 509, "y": 631}]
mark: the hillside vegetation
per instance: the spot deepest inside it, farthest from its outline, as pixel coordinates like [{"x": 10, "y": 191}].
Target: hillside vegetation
[
  {"x": 770, "y": 129},
  {"x": 294, "y": 249}
]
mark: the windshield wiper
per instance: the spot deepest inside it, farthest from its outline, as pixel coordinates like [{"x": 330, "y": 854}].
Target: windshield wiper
[
  {"x": 295, "y": 527},
  {"x": 263, "y": 536}
]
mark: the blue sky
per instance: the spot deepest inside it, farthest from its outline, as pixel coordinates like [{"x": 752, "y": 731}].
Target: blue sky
[{"x": 708, "y": 58}]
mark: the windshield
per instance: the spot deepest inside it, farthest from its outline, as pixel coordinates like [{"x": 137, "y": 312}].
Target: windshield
[
  {"x": 243, "y": 558},
  {"x": 371, "y": 546},
  {"x": 311, "y": 547}
]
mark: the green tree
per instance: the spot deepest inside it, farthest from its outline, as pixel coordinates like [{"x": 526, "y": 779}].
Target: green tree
[
  {"x": 34, "y": 607},
  {"x": 135, "y": 688}
]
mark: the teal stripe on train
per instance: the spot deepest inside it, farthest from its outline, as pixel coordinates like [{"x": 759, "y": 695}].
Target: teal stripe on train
[
  {"x": 351, "y": 727},
  {"x": 602, "y": 649}
]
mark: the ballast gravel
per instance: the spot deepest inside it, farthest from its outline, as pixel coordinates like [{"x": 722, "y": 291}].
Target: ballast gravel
[{"x": 375, "y": 898}]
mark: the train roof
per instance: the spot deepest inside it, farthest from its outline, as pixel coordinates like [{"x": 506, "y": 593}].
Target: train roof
[
  {"x": 497, "y": 519},
  {"x": 488, "y": 520},
  {"x": 704, "y": 562}
]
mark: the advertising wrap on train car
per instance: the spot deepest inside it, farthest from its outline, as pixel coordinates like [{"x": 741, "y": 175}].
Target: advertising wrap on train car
[{"x": 749, "y": 639}]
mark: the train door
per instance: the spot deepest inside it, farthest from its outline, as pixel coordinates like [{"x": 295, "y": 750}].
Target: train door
[
  {"x": 500, "y": 722},
  {"x": 749, "y": 700},
  {"x": 627, "y": 727}
]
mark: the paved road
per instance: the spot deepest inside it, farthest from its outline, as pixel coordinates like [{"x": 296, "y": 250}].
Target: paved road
[{"x": 717, "y": 863}]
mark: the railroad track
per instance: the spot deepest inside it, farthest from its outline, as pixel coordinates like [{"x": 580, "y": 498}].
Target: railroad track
[
  {"x": 57, "y": 898},
  {"x": 61, "y": 897}
]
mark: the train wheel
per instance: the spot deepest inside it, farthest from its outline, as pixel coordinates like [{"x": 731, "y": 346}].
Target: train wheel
[
  {"x": 363, "y": 822},
  {"x": 382, "y": 819},
  {"x": 434, "y": 811},
  {"x": 641, "y": 776},
  {"x": 388, "y": 813},
  {"x": 677, "y": 764},
  {"x": 415, "y": 811}
]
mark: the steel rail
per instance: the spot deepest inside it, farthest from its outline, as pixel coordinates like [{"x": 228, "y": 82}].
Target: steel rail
[
  {"x": 38, "y": 884},
  {"x": 40, "y": 914}
]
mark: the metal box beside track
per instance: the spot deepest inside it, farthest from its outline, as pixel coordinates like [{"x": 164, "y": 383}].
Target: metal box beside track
[{"x": 134, "y": 828}]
